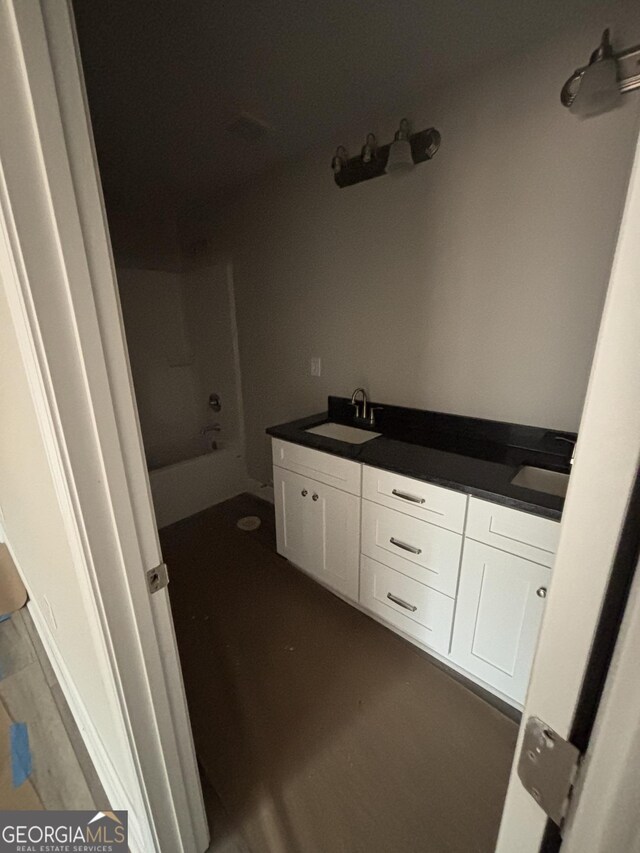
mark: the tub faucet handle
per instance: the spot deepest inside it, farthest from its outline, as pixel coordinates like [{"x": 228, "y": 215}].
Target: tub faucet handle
[{"x": 210, "y": 428}]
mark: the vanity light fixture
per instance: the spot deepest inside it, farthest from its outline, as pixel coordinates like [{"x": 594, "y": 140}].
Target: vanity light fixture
[
  {"x": 340, "y": 159},
  {"x": 369, "y": 148},
  {"x": 406, "y": 151},
  {"x": 400, "y": 158},
  {"x": 597, "y": 87}
]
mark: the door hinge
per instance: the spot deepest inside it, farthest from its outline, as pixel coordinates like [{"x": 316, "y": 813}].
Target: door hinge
[
  {"x": 548, "y": 768},
  {"x": 157, "y": 578}
]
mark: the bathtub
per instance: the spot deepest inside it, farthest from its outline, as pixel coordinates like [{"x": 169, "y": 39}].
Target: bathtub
[{"x": 191, "y": 485}]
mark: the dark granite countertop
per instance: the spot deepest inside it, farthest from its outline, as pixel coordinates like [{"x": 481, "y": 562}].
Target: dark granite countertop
[{"x": 471, "y": 455}]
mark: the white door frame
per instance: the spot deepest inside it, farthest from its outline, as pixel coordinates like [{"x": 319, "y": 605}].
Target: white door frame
[
  {"x": 60, "y": 283},
  {"x": 64, "y": 303},
  {"x": 605, "y": 815},
  {"x": 601, "y": 484}
]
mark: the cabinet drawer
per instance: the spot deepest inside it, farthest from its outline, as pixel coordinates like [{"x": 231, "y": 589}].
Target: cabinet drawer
[
  {"x": 443, "y": 507},
  {"x": 332, "y": 470},
  {"x": 520, "y": 533},
  {"x": 422, "y": 551},
  {"x": 420, "y": 612}
]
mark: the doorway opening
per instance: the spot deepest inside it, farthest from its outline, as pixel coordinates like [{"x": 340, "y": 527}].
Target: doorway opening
[{"x": 255, "y": 284}]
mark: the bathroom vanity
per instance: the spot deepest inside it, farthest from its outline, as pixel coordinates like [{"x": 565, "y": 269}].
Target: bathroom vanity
[{"x": 441, "y": 547}]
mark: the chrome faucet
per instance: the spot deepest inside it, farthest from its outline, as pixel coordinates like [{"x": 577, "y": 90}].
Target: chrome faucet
[{"x": 361, "y": 413}]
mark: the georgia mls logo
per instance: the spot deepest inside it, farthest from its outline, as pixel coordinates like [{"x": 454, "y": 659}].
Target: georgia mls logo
[
  {"x": 63, "y": 832},
  {"x": 102, "y": 835}
]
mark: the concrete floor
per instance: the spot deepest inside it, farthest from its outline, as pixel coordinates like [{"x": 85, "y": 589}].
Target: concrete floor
[{"x": 318, "y": 728}]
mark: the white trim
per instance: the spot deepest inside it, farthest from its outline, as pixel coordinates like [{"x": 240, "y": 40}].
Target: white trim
[
  {"x": 603, "y": 475},
  {"x": 114, "y": 788},
  {"x": 58, "y": 275},
  {"x": 604, "y": 807}
]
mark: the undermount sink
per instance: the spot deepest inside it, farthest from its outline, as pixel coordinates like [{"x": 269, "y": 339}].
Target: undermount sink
[
  {"x": 352, "y": 435},
  {"x": 541, "y": 480}
]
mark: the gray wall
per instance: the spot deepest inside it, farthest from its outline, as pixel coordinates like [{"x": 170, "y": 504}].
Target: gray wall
[{"x": 473, "y": 285}]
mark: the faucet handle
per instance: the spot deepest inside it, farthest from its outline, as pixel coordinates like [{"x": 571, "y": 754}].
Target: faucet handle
[
  {"x": 570, "y": 441},
  {"x": 372, "y": 417},
  {"x": 210, "y": 428}
]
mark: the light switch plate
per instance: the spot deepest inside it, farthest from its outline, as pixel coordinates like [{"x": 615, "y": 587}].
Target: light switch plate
[{"x": 316, "y": 366}]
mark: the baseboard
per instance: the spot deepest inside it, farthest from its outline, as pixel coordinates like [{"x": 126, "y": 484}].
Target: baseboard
[
  {"x": 261, "y": 490},
  {"x": 140, "y": 840}
]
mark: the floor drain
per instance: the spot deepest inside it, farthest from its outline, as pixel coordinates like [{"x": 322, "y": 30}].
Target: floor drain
[{"x": 249, "y": 522}]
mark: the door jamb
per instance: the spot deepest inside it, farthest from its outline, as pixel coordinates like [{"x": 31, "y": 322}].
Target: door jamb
[{"x": 64, "y": 305}]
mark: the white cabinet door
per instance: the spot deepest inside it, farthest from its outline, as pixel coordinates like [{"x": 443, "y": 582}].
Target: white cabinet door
[
  {"x": 337, "y": 515},
  {"x": 297, "y": 531},
  {"x": 498, "y": 613},
  {"x": 318, "y": 529}
]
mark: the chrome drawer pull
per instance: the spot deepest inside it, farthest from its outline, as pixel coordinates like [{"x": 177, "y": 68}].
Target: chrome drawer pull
[
  {"x": 404, "y": 546},
  {"x": 402, "y": 603},
  {"x": 407, "y": 497}
]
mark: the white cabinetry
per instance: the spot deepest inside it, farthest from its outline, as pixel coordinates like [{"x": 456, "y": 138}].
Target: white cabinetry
[
  {"x": 418, "y": 611},
  {"x": 425, "y": 501},
  {"x": 462, "y": 577},
  {"x": 411, "y": 545},
  {"x": 498, "y": 612},
  {"x": 415, "y": 548},
  {"x": 323, "y": 467},
  {"x": 511, "y": 530},
  {"x": 318, "y": 527}
]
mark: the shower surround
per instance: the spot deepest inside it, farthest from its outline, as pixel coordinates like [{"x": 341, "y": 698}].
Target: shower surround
[{"x": 182, "y": 340}]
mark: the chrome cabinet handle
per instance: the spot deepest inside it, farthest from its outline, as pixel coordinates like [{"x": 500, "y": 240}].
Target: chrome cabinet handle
[
  {"x": 314, "y": 497},
  {"x": 402, "y": 603},
  {"x": 407, "y": 497},
  {"x": 304, "y": 493},
  {"x": 541, "y": 592},
  {"x": 411, "y": 548}
]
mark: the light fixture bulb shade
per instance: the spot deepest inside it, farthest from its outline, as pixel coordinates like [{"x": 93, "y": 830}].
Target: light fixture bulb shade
[
  {"x": 598, "y": 91},
  {"x": 400, "y": 158}
]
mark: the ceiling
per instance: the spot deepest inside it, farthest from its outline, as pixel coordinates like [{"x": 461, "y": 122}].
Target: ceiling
[{"x": 165, "y": 78}]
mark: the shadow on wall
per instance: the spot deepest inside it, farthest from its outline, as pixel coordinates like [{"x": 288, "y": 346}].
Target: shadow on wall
[{"x": 473, "y": 285}]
